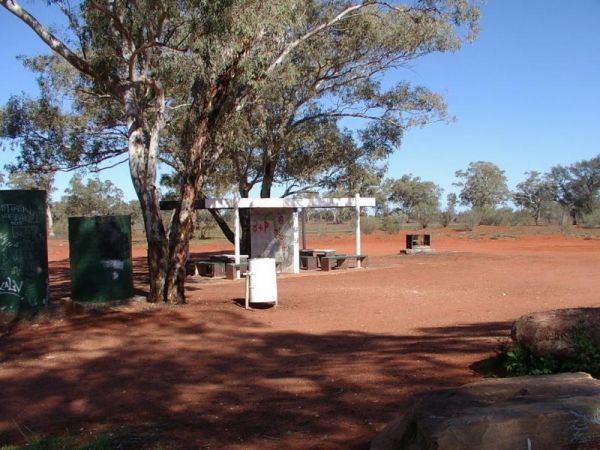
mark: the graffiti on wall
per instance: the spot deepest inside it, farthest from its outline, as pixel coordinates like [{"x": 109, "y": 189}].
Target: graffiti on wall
[
  {"x": 23, "y": 251},
  {"x": 272, "y": 235}
]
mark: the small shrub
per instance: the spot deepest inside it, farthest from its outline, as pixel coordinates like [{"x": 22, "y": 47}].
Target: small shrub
[
  {"x": 446, "y": 218},
  {"x": 493, "y": 216},
  {"x": 425, "y": 214},
  {"x": 521, "y": 218},
  {"x": 566, "y": 228},
  {"x": 517, "y": 360},
  {"x": 392, "y": 224},
  {"x": 587, "y": 357},
  {"x": 368, "y": 225},
  {"x": 471, "y": 219},
  {"x": 204, "y": 223},
  {"x": 591, "y": 220}
]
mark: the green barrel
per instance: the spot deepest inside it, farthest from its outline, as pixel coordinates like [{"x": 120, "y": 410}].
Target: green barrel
[
  {"x": 23, "y": 251},
  {"x": 100, "y": 254}
]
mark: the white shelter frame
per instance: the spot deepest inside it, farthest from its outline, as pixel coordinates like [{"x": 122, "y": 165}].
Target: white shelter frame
[{"x": 356, "y": 202}]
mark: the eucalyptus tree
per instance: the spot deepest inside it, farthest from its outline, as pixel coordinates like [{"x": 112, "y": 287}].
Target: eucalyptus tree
[
  {"x": 289, "y": 135},
  {"x": 174, "y": 76},
  {"x": 92, "y": 197},
  {"x": 577, "y": 187},
  {"x": 61, "y": 129},
  {"x": 337, "y": 75},
  {"x": 417, "y": 199},
  {"x": 47, "y": 139},
  {"x": 483, "y": 185},
  {"x": 534, "y": 194}
]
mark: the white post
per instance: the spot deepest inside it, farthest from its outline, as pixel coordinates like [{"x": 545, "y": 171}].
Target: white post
[
  {"x": 357, "y": 199},
  {"x": 296, "y": 239},
  {"x": 303, "y": 228},
  {"x": 237, "y": 243}
]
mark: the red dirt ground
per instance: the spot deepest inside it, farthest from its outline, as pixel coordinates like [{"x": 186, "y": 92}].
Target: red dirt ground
[{"x": 326, "y": 369}]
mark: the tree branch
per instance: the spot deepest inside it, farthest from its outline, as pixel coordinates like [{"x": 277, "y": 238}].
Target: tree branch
[
  {"x": 292, "y": 45},
  {"x": 48, "y": 38}
]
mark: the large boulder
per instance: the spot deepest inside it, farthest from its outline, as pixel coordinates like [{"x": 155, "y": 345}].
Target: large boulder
[
  {"x": 552, "y": 332},
  {"x": 529, "y": 413}
]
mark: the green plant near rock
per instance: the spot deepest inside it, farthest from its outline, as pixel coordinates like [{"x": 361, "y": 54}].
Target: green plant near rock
[{"x": 516, "y": 359}]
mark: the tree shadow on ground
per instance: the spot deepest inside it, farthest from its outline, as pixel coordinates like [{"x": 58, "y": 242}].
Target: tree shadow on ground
[
  {"x": 164, "y": 376},
  {"x": 60, "y": 279},
  {"x": 60, "y": 276}
]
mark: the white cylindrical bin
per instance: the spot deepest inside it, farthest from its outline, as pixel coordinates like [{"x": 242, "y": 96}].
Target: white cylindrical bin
[{"x": 262, "y": 280}]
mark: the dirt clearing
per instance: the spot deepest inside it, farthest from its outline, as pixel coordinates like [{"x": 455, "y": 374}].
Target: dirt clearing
[{"x": 327, "y": 369}]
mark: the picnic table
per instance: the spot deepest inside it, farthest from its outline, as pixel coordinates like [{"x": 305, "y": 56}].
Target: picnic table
[
  {"x": 310, "y": 258},
  {"x": 216, "y": 266}
]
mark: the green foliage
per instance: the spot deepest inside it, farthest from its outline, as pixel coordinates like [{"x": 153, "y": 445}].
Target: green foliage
[
  {"x": 521, "y": 218},
  {"x": 534, "y": 193},
  {"x": 471, "y": 219},
  {"x": 204, "y": 223},
  {"x": 577, "y": 187},
  {"x": 496, "y": 216},
  {"x": 420, "y": 200},
  {"x": 94, "y": 198},
  {"x": 291, "y": 134},
  {"x": 409, "y": 191},
  {"x": 392, "y": 223},
  {"x": 449, "y": 214},
  {"x": 517, "y": 359},
  {"x": 368, "y": 225},
  {"x": 587, "y": 354},
  {"x": 48, "y": 136},
  {"x": 592, "y": 219},
  {"x": 425, "y": 214},
  {"x": 483, "y": 185},
  {"x": 34, "y": 180}
]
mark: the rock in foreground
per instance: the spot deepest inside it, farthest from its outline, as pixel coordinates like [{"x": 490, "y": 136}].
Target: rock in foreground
[
  {"x": 552, "y": 332},
  {"x": 530, "y": 413}
]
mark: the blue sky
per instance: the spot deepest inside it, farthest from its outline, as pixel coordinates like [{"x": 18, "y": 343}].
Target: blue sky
[{"x": 526, "y": 93}]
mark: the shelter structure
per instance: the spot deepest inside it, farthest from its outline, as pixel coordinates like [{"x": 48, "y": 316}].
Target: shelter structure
[{"x": 275, "y": 224}]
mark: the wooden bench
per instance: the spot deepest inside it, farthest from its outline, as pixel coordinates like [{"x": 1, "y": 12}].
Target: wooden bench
[
  {"x": 205, "y": 268},
  {"x": 331, "y": 262}
]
